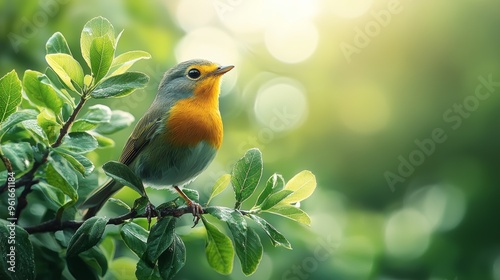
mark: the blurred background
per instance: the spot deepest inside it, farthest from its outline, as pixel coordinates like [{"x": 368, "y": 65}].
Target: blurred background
[{"x": 393, "y": 105}]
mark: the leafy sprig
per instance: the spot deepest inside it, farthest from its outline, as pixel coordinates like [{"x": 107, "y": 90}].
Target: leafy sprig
[{"x": 45, "y": 140}]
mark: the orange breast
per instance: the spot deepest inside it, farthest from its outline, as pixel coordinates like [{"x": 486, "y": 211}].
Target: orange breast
[{"x": 197, "y": 119}]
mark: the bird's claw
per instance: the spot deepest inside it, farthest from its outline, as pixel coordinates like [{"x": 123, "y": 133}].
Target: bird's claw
[
  {"x": 197, "y": 210},
  {"x": 150, "y": 208}
]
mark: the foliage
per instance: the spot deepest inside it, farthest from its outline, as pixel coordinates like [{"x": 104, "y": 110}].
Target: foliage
[{"x": 45, "y": 145}]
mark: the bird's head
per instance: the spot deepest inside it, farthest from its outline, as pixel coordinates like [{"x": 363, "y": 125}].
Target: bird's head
[{"x": 197, "y": 78}]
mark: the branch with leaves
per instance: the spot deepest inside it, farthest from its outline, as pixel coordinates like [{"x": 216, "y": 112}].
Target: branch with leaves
[{"x": 45, "y": 141}]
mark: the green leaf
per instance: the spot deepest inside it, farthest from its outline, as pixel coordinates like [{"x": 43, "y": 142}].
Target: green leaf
[
  {"x": 117, "y": 39},
  {"x": 79, "y": 269},
  {"x": 219, "y": 186},
  {"x": 173, "y": 259},
  {"x": 219, "y": 249},
  {"x": 79, "y": 142},
  {"x": 123, "y": 174},
  {"x": 67, "y": 68},
  {"x": 32, "y": 125},
  {"x": 160, "y": 238},
  {"x": 291, "y": 212},
  {"x": 82, "y": 126},
  {"x": 125, "y": 60},
  {"x": 101, "y": 56},
  {"x": 103, "y": 141},
  {"x": 41, "y": 93},
  {"x": 20, "y": 156},
  {"x": 95, "y": 28},
  {"x": 135, "y": 237},
  {"x": 54, "y": 195},
  {"x": 247, "y": 243},
  {"x": 274, "y": 184},
  {"x": 246, "y": 175},
  {"x": 119, "y": 120},
  {"x": 18, "y": 263},
  {"x": 16, "y": 118},
  {"x": 120, "y": 85},
  {"x": 53, "y": 79},
  {"x": 221, "y": 213},
  {"x": 10, "y": 94},
  {"x": 57, "y": 44},
  {"x": 302, "y": 185},
  {"x": 95, "y": 115},
  {"x": 86, "y": 236},
  {"x": 61, "y": 175},
  {"x": 191, "y": 194},
  {"x": 79, "y": 162},
  {"x": 47, "y": 121},
  {"x": 147, "y": 271},
  {"x": 276, "y": 237},
  {"x": 120, "y": 203},
  {"x": 275, "y": 198},
  {"x": 94, "y": 257}
]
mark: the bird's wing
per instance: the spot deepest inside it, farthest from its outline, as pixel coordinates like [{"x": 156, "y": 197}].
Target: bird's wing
[{"x": 142, "y": 134}]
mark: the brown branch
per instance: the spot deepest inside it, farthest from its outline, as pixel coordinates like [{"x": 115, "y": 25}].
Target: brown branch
[
  {"x": 67, "y": 125},
  {"x": 22, "y": 201},
  {"x": 54, "y": 225},
  {"x": 7, "y": 163}
]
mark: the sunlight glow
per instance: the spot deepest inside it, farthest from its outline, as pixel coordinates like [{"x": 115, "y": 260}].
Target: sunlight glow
[{"x": 348, "y": 8}]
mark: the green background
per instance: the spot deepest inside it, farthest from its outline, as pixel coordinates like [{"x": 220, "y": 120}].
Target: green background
[{"x": 351, "y": 90}]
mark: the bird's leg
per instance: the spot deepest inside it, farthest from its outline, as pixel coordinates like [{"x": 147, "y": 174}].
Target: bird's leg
[{"x": 196, "y": 208}]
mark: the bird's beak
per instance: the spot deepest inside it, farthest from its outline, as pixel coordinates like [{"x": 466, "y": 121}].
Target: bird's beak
[{"x": 222, "y": 70}]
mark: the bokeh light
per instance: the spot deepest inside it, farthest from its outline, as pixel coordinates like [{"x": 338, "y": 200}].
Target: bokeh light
[
  {"x": 208, "y": 43},
  {"x": 443, "y": 206},
  {"x": 407, "y": 234},
  {"x": 281, "y": 104},
  {"x": 189, "y": 18},
  {"x": 291, "y": 42}
]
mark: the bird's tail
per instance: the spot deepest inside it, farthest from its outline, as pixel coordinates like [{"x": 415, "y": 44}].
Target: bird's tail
[{"x": 98, "y": 198}]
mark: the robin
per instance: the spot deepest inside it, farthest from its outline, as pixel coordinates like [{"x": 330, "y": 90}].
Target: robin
[{"x": 177, "y": 137}]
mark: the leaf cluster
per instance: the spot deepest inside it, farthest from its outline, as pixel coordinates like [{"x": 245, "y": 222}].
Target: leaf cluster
[{"x": 46, "y": 137}]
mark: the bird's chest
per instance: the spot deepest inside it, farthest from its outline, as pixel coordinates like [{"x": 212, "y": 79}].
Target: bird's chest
[{"x": 191, "y": 122}]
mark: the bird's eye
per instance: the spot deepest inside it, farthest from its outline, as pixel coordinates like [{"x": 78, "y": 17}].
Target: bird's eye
[{"x": 194, "y": 74}]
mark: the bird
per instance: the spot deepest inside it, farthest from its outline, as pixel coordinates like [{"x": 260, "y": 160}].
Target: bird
[{"x": 178, "y": 136}]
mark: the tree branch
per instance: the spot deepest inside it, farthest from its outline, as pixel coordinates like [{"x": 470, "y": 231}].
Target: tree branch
[
  {"x": 54, "y": 225},
  {"x": 7, "y": 163},
  {"x": 67, "y": 125}
]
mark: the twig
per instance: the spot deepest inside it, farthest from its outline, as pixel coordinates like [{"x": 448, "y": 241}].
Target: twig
[
  {"x": 22, "y": 201},
  {"x": 7, "y": 163},
  {"x": 54, "y": 225},
  {"x": 67, "y": 125}
]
